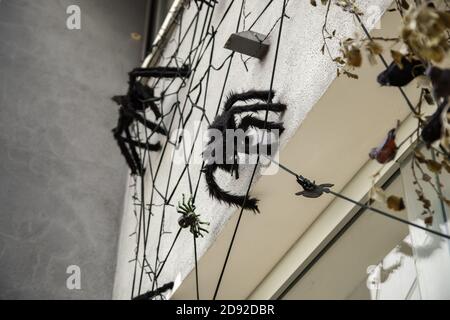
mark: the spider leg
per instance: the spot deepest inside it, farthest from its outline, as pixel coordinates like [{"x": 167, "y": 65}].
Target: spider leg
[
  {"x": 149, "y": 124},
  {"x": 143, "y": 145},
  {"x": 134, "y": 154},
  {"x": 145, "y": 94},
  {"x": 250, "y": 121},
  {"x": 246, "y": 96},
  {"x": 160, "y": 72},
  {"x": 126, "y": 153},
  {"x": 224, "y": 196},
  {"x": 274, "y": 107},
  {"x": 154, "y": 109},
  {"x": 120, "y": 100}
]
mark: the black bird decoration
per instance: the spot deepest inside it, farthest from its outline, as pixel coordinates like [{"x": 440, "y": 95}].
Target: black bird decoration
[{"x": 400, "y": 76}]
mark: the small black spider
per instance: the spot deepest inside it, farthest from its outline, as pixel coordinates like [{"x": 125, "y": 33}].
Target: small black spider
[
  {"x": 189, "y": 219},
  {"x": 227, "y": 121},
  {"x": 138, "y": 99}
]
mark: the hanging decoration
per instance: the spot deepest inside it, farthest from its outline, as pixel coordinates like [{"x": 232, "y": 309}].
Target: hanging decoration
[
  {"x": 133, "y": 106},
  {"x": 311, "y": 189},
  {"x": 229, "y": 161}
]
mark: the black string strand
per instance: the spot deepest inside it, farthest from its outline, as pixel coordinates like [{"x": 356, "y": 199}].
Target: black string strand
[
  {"x": 365, "y": 206},
  {"x": 257, "y": 162}
]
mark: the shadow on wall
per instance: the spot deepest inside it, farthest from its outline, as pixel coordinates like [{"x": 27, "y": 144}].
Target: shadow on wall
[{"x": 61, "y": 175}]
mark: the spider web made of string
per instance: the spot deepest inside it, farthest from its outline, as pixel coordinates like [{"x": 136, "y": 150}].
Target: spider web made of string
[
  {"x": 195, "y": 94},
  {"x": 191, "y": 97}
]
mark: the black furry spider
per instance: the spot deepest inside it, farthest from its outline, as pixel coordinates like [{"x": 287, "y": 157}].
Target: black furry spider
[
  {"x": 138, "y": 99},
  {"x": 226, "y": 121}
]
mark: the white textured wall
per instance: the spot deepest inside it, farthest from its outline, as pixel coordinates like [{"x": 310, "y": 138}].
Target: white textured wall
[{"x": 302, "y": 76}]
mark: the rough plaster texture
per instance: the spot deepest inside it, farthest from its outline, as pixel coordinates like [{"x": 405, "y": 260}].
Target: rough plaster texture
[
  {"x": 61, "y": 174},
  {"x": 302, "y": 77}
]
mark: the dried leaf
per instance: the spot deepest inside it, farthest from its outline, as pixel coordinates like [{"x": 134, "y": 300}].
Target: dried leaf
[
  {"x": 398, "y": 57},
  {"x": 354, "y": 57},
  {"x": 425, "y": 32},
  {"x": 136, "y": 36},
  {"x": 447, "y": 201},
  {"x": 374, "y": 49},
  {"x": 350, "y": 75},
  {"x": 428, "y": 220},
  {"x": 426, "y": 204},
  {"x": 426, "y": 177},
  {"x": 339, "y": 60},
  {"x": 349, "y": 6},
  {"x": 377, "y": 194},
  {"x": 314, "y": 3},
  {"x": 395, "y": 203},
  {"x": 446, "y": 166},
  {"x": 434, "y": 166},
  {"x": 419, "y": 156}
]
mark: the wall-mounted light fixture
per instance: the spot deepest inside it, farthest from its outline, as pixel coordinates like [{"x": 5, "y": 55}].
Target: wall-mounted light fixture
[{"x": 249, "y": 43}]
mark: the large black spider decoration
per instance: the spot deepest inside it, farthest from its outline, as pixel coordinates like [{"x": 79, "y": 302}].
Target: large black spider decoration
[
  {"x": 189, "y": 219},
  {"x": 133, "y": 105},
  {"x": 227, "y": 121},
  {"x": 399, "y": 76},
  {"x": 153, "y": 294}
]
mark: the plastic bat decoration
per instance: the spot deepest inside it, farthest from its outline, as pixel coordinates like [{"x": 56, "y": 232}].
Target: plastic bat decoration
[
  {"x": 152, "y": 294},
  {"x": 387, "y": 150},
  {"x": 311, "y": 189},
  {"x": 396, "y": 76}
]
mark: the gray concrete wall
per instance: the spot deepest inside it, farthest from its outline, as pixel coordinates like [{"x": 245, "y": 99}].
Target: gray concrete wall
[{"x": 61, "y": 175}]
